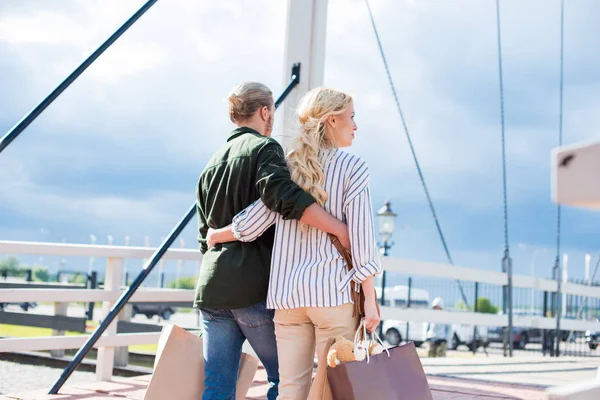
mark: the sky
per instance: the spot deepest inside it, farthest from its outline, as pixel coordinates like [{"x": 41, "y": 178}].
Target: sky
[{"x": 120, "y": 151}]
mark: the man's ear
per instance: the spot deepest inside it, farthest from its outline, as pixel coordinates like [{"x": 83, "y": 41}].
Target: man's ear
[{"x": 264, "y": 113}]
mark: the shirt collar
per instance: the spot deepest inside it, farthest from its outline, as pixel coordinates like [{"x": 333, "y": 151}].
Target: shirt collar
[
  {"x": 240, "y": 131},
  {"x": 325, "y": 155}
]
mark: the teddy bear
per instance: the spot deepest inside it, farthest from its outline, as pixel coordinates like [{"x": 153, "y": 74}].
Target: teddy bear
[{"x": 342, "y": 351}]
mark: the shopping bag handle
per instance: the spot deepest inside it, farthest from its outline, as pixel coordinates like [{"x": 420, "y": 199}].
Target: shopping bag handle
[{"x": 371, "y": 337}]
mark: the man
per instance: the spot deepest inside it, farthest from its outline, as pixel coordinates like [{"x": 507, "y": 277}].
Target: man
[
  {"x": 232, "y": 285},
  {"x": 437, "y": 334}
]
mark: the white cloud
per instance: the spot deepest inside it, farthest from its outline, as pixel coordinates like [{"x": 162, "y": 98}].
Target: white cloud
[
  {"x": 154, "y": 100},
  {"x": 51, "y": 204},
  {"x": 41, "y": 28}
]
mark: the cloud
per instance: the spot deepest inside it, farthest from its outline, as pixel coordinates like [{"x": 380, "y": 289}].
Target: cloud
[
  {"x": 43, "y": 28},
  {"x": 121, "y": 149}
]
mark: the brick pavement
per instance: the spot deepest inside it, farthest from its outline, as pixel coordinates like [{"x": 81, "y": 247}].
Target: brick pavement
[{"x": 134, "y": 389}]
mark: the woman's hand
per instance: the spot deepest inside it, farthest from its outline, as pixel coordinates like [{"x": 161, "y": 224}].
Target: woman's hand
[
  {"x": 371, "y": 318},
  {"x": 211, "y": 238},
  {"x": 222, "y": 235}
]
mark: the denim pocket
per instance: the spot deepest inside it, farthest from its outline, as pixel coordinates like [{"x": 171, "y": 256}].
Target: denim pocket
[
  {"x": 254, "y": 316},
  {"x": 210, "y": 314}
]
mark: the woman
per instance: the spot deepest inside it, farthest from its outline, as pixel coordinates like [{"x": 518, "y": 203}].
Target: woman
[{"x": 309, "y": 285}]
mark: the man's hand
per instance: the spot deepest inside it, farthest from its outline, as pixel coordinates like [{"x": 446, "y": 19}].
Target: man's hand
[
  {"x": 343, "y": 236},
  {"x": 317, "y": 217}
]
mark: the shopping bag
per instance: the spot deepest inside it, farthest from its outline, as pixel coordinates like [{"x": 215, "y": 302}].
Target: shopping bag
[
  {"x": 395, "y": 374},
  {"x": 179, "y": 368}
]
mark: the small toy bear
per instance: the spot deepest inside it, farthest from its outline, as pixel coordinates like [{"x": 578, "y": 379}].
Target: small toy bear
[{"x": 342, "y": 350}]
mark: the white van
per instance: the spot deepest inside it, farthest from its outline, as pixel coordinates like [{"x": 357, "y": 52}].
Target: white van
[{"x": 395, "y": 331}]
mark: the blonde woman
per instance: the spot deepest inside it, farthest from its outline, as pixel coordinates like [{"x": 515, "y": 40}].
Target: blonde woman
[{"x": 309, "y": 285}]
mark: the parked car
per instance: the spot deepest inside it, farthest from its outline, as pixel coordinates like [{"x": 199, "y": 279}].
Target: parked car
[
  {"x": 151, "y": 309},
  {"x": 24, "y": 306},
  {"x": 394, "y": 331},
  {"x": 463, "y": 334},
  {"x": 521, "y": 336}
]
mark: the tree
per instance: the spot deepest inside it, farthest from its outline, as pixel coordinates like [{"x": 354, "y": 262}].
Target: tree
[
  {"x": 484, "y": 305},
  {"x": 41, "y": 274},
  {"x": 10, "y": 265},
  {"x": 186, "y": 282},
  {"x": 79, "y": 279},
  {"x": 460, "y": 305}
]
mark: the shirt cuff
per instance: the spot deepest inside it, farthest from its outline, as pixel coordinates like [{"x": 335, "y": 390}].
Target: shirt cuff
[
  {"x": 359, "y": 275},
  {"x": 235, "y": 225},
  {"x": 303, "y": 202}
]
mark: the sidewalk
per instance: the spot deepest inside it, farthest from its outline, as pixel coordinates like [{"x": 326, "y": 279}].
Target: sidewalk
[
  {"x": 459, "y": 377},
  {"x": 135, "y": 388}
]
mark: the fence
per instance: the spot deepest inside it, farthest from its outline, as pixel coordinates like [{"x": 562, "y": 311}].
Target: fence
[{"x": 487, "y": 283}]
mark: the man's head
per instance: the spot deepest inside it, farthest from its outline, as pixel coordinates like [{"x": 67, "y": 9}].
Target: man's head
[{"x": 251, "y": 104}]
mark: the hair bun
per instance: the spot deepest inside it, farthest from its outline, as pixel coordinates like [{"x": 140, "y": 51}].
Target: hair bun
[{"x": 233, "y": 99}]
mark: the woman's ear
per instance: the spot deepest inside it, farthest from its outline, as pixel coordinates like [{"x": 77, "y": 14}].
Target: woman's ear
[{"x": 331, "y": 121}]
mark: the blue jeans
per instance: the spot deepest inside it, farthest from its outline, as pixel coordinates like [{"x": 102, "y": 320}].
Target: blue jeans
[{"x": 224, "y": 333}]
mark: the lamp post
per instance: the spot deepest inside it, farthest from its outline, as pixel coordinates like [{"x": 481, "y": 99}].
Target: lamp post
[{"x": 386, "y": 219}]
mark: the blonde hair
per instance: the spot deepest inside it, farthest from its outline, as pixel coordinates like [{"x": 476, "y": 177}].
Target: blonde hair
[
  {"x": 246, "y": 98},
  {"x": 314, "y": 109}
]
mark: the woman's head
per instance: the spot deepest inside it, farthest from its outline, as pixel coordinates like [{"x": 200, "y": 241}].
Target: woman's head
[
  {"x": 326, "y": 121},
  {"x": 251, "y": 104},
  {"x": 327, "y": 118}
]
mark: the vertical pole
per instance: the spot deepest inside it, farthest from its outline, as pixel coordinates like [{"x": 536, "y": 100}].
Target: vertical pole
[
  {"x": 124, "y": 283},
  {"x": 505, "y": 310},
  {"x": 161, "y": 267},
  {"x": 475, "y": 308},
  {"x": 544, "y": 331},
  {"x": 510, "y": 308},
  {"x": 305, "y": 43},
  {"x": 385, "y": 249},
  {"x": 558, "y": 303},
  {"x": 92, "y": 285},
  {"x": 407, "y": 339}
]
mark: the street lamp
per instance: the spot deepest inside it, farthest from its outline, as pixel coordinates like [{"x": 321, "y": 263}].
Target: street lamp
[{"x": 386, "y": 219}]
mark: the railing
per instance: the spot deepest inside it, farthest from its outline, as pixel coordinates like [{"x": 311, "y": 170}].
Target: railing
[
  {"x": 116, "y": 255},
  {"x": 108, "y": 296}
]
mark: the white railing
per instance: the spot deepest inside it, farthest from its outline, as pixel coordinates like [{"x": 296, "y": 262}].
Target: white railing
[{"x": 116, "y": 254}]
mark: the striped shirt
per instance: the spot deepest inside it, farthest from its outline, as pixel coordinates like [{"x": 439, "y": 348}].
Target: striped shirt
[{"x": 306, "y": 268}]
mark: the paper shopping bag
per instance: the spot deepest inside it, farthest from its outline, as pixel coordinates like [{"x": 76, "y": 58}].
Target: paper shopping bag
[
  {"x": 179, "y": 368},
  {"x": 397, "y": 375}
]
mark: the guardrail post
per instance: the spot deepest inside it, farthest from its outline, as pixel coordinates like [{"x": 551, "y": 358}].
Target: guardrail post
[
  {"x": 106, "y": 355},
  {"x": 59, "y": 309},
  {"x": 122, "y": 353}
]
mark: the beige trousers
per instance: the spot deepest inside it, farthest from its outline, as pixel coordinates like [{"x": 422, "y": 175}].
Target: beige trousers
[{"x": 298, "y": 332}]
